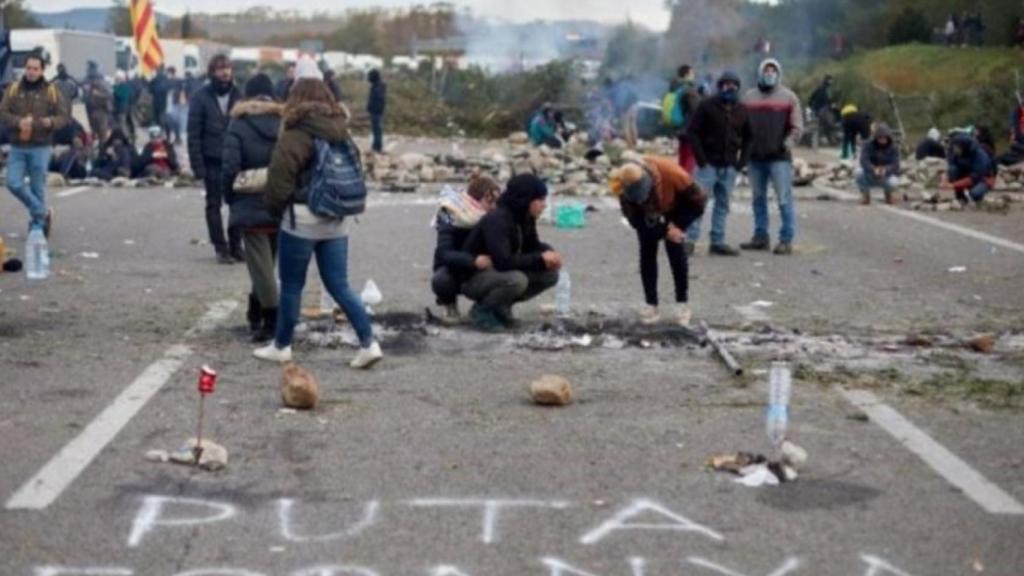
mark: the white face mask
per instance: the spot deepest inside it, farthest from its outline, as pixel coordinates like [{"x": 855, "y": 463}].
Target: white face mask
[{"x": 770, "y": 79}]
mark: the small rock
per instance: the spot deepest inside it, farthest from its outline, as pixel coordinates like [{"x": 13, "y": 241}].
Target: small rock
[
  {"x": 214, "y": 456},
  {"x": 158, "y": 456},
  {"x": 983, "y": 344},
  {"x": 918, "y": 340},
  {"x": 551, "y": 390},
  {"x": 299, "y": 388}
]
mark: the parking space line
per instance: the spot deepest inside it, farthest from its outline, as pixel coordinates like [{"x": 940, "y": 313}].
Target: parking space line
[
  {"x": 72, "y": 191},
  {"x": 962, "y": 230},
  {"x": 46, "y": 486},
  {"x": 947, "y": 464}
]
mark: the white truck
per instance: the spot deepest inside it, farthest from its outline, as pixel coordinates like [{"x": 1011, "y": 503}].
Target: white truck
[
  {"x": 71, "y": 48},
  {"x": 183, "y": 55}
]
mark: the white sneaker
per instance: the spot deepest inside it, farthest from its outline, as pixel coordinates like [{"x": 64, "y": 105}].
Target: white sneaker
[
  {"x": 649, "y": 315},
  {"x": 367, "y": 357},
  {"x": 272, "y": 353},
  {"x": 683, "y": 315}
]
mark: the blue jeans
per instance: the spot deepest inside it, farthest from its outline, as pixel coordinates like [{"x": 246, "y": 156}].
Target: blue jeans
[
  {"x": 34, "y": 162},
  {"x": 781, "y": 175},
  {"x": 868, "y": 180},
  {"x": 293, "y": 257},
  {"x": 376, "y": 124},
  {"x": 717, "y": 182}
]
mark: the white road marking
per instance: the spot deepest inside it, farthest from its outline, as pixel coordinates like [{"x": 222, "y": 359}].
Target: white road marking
[
  {"x": 957, "y": 472},
  {"x": 962, "y": 230},
  {"x": 47, "y": 485},
  {"x": 73, "y": 191}
]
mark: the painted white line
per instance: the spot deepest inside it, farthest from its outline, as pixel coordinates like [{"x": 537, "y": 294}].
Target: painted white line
[
  {"x": 962, "y": 230},
  {"x": 73, "y": 191},
  {"x": 47, "y": 485},
  {"x": 957, "y": 472}
]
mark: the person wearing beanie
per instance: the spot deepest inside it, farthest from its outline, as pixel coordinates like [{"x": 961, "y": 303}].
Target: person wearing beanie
[
  {"x": 459, "y": 213},
  {"x": 720, "y": 134},
  {"x": 521, "y": 265},
  {"x": 248, "y": 147},
  {"x": 879, "y": 166},
  {"x": 307, "y": 69},
  {"x": 776, "y": 122},
  {"x": 208, "y": 117},
  {"x": 931, "y": 146},
  {"x": 376, "y": 103},
  {"x": 660, "y": 201},
  {"x": 310, "y": 116}
]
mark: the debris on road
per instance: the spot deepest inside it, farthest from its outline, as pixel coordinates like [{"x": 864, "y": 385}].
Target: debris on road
[
  {"x": 958, "y": 269},
  {"x": 299, "y": 388},
  {"x": 721, "y": 350},
  {"x": 983, "y": 344},
  {"x": 551, "y": 390},
  {"x": 756, "y": 470},
  {"x": 212, "y": 458},
  {"x": 918, "y": 340}
]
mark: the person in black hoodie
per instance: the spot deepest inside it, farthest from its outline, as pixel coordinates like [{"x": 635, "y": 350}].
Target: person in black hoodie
[
  {"x": 523, "y": 266},
  {"x": 454, "y": 222},
  {"x": 375, "y": 105},
  {"x": 879, "y": 165},
  {"x": 116, "y": 159},
  {"x": 248, "y": 146},
  {"x": 208, "y": 118}
]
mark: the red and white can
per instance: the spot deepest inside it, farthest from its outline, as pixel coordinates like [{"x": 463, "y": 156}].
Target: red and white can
[{"x": 207, "y": 380}]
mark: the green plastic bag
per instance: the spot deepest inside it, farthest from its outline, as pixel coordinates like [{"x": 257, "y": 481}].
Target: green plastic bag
[{"x": 573, "y": 215}]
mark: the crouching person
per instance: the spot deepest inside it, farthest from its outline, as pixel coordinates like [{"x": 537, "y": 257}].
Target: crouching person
[
  {"x": 454, "y": 222},
  {"x": 158, "y": 160},
  {"x": 971, "y": 173},
  {"x": 879, "y": 166},
  {"x": 521, "y": 266},
  {"x": 660, "y": 201}
]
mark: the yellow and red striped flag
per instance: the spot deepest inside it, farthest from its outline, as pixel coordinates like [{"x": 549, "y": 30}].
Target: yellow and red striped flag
[{"x": 151, "y": 55}]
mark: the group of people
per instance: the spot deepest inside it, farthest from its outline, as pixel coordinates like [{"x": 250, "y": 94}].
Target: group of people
[
  {"x": 117, "y": 157},
  {"x": 965, "y": 30}
]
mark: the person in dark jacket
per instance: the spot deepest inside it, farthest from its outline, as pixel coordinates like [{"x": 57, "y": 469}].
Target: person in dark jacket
[
  {"x": 824, "y": 110},
  {"x": 209, "y": 114},
  {"x": 721, "y": 137},
  {"x": 331, "y": 79},
  {"x": 523, "y": 266},
  {"x": 660, "y": 201},
  {"x": 856, "y": 125},
  {"x": 879, "y": 165},
  {"x": 159, "y": 87},
  {"x": 116, "y": 158},
  {"x": 248, "y": 146},
  {"x": 99, "y": 102},
  {"x": 158, "y": 160},
  {"x": 124, "y": 104},
  {"x": 776, "y": 122},
  {"x": 454, "y": 222},
  {"x": 73, "y": 163},
  {"x": 68, "y": 86},
  {"x": 33, "y": 110},
  {"x": 971, "y": 173},
  {"x": 375, "y": 105},
  {"x": 931, "y": 146},
  {"x": 284, "y": 85},
  {"x": 310, "y": 114}
]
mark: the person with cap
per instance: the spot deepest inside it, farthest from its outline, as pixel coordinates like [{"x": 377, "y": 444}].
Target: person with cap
[
  {"x": 931, "y": 146},
  {"x": 522, "y": 266},
  {"x": 971, "y": 173},
  {"x": 208, "y": 118},
  {"x": 376, "y": 103},
  {"x": 248, "y": 147},
  {"x": 879, "y": 165},
  {"x": 856, "y": 125},
  {"x": 311, "y": 114},
  {"x": 458, "y": 214},
  {"x": 158, "y": 159},
  {"x": 660, "y": 201},
  {"x": 721, "y": 137},
  {"x": 776, "y": 121}
]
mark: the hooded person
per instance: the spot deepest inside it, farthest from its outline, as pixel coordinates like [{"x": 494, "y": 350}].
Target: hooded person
[
  {"x": 248, "y": 148},
  {"x": 459, "y": 213},
  {"x": 376, "y": 103},
  {"x": 158, "y": 159},
  {"x": 67, "y": 85},
  {"x": 971, "y": 173},
  {"x": 208, "y": 117},
  {"x": 660, "y": 201},
  {"x": 720, "y": 134},
  {"x": 522, "y": 266},
  {"x": 73, "y": 163},
  {"x": 311, "y": 118},
  {"x": 116, "y": 158},
  {"x": 776, "y": 122},
  {"x": 879, "y": 165},
  {"x": 931, "y": 146},
  {"x": 543, "y": 130}
]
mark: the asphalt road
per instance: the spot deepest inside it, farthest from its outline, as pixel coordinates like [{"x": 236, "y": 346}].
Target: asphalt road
[{"x": 435, "y": 463}]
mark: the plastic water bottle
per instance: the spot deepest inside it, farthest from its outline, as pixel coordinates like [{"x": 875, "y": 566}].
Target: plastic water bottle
[
  {"x": 37, "y": 255},
  {"x": 563, "y": 294},
  {"x": 780, "y": 385}
]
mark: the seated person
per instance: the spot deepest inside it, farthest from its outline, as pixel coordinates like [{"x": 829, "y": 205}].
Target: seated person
[
  {"x": 971, "y": 173},
  {"x": 879, "y": 165},
  {"x": 931, "y": 146},
  {"x": 73, "y": 163},
  {"x": 116, "y": 157},
  {"x": 158, "y": 159},
  {"x": 66, "y": 135},
  {"x": 543, "y": 128},
  {"x": 522, "y": 266},
  {"x": 454, "y": 221}
]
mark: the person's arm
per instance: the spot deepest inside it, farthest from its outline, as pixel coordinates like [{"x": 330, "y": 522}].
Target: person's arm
[
  {"x": 796, "y": 122},
  {"x": 746, "y": 139},
  {"x": 291, "y": 155},
  {"x": 865, "y": 158},
  {"x": 499, "y": 248},
  {"x": 7, "y": 115},
  {"x": 894, "y": 165},
  {"x": 195, "y": 138},
  {"x": 447, "y": 252},
  {"x": 231, "y": 159},
  {"x": 694, "y": 132},
  {"x": 59, "y": 114}
]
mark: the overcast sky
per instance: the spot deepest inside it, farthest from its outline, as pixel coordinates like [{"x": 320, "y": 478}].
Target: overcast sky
[{"x": 649, "y": 12}]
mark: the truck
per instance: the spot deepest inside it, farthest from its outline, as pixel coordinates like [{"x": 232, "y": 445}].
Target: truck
[
  {"x": 72, "y": 48},
  {"x": 184, "y": 55}
]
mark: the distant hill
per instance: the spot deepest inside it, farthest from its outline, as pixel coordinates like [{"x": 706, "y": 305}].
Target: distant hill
[{"x": 85, "y": 19}]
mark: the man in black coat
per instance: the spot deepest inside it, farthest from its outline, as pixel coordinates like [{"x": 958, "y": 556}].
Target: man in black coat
[
  {"x": 375, "y": 106},
  {"x": 721, "y": 137},
  {"x": 208, "y": 118},
  {"x": 523, "y": 266}
]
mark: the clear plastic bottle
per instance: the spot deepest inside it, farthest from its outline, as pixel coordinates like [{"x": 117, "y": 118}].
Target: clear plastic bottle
[
  {"x": 779, "y": 390},
  {"x": 563, "y": 294},
  {"x": 37, "y": 255}
]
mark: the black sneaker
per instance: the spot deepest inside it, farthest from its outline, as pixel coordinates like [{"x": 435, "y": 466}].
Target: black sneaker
[
  {"x": 485, "y": 319},
  {"x": 757, "y": 243},
  {"x": 238, "y": 255},
  {"x": 254, "y": 314},
  {"x": 48, "y": 222},
  {"x": 225, "y": 258},
  {"x": 723, "y": 250},
  {"x": 784, "y": 249}
]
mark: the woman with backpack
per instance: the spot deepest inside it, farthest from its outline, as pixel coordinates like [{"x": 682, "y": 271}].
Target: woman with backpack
[{"x": 311, "y": 119}]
